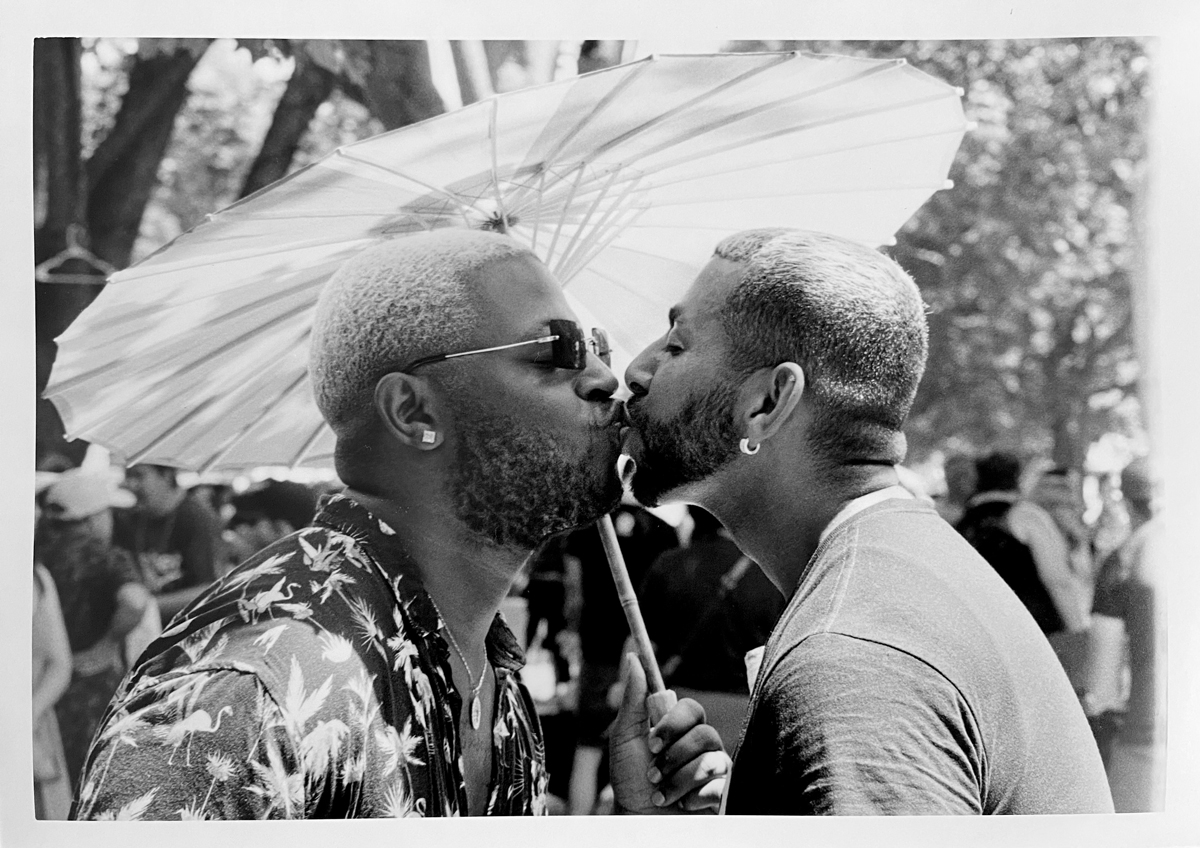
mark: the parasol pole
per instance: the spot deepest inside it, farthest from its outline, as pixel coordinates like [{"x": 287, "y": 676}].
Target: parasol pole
[{"x": 660, "y": 699}]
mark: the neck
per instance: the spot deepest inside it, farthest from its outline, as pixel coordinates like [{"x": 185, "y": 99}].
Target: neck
[
  {"x": 467, "y": 577},
  {"x": 776, "y": 511}
]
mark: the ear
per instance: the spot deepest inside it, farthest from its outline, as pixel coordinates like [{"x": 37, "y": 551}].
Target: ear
[
  {"x": 407, "y": 411},
  {"x": 775, "y": 402}
]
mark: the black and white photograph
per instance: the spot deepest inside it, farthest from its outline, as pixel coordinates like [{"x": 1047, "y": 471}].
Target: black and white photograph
[{"x": 652, "y": 429}]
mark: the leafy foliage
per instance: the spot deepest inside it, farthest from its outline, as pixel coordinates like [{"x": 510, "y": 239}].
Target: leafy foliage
[{"x": 1026, "y": 262}]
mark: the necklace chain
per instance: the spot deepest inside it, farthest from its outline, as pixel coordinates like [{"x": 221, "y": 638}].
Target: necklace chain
[{"x": 475, "y": 687}]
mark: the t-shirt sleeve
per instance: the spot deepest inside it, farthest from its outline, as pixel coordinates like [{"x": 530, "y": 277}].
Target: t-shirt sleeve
[
  {"x": 205, "y": 745},
  {"x": 865, "y": 729}
]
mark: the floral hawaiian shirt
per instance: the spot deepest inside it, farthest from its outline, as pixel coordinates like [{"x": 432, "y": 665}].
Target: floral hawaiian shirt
[{"x": 311, "y": 682}]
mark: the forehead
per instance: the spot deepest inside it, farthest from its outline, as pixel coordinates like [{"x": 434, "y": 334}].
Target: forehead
[
  {"x": 702, "y": 303},
  {"x": 517, "y": 295}
]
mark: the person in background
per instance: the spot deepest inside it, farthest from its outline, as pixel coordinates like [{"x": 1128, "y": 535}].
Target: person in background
[
  {"x": 51, "y": 677},
  {"x": 706, "y": 606},
  {"x": 174, "y": 536},
  {"x": 264, "y": 514},
  {"x": 961, "y": 483},
  {"x": 1059, "y": 491},
  {"x": 102, "y": 597},
  {"x": 1127, "y": 642},
  {"x": 1023, "y": 543}
]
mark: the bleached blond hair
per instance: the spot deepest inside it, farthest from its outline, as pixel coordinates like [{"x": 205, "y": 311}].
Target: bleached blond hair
[{"x": 395, "y": 302}]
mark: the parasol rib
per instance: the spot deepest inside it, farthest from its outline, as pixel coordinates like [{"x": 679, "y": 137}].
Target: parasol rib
[
  {"x": 828, "y": 151},
  {"x": 495, "y": 165},
  {"x": 258, "y": 420},
  {"x": 537, "y": 215},
  {"x": 664, "y": 204},
  {"x": 173, "y": 376},
  {"x": 133, "y": 316},
  {"x": 699, "y": 98},
  {"x": 795, "y": 128},
  {"x": 462, "y": 204},
  {"x": 562, "y": 215},
  {"x": 618, "y": 283},
  {"x": 616, "y": 232},
  {"x": 600, "y": 230},
  {"x": 600, "y": 195},
  {"x": 72, "y": 382},
  {"x": 308, "y": 445},
  {"x": 596, "y": 110},
  {"x": 141, "y": 270}
]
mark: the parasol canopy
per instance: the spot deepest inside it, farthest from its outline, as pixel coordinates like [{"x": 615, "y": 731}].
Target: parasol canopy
[{"x": 622, "y": 181}]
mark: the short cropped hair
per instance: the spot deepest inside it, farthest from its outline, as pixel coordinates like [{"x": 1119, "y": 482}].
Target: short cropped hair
[
  {"x": 395, "y": 302},
  {"x": 845, "y": 313}
]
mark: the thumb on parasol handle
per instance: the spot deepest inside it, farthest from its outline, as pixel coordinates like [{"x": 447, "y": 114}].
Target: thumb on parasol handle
[{"x": 629, "y": 603}]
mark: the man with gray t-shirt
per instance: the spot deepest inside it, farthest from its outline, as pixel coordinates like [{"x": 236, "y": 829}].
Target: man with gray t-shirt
[{"x": 904, "y": 676}]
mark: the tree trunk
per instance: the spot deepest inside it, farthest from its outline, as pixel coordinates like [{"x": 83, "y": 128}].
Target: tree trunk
[
  {"x": 595, "y": 55},
  {"x": 399, "y": 89},
  {"x": 60, "y": 191},
  {"x": 123, "y": 172},
  {"x": 471, "y": 67},
  {"x": 109, "y": 195},
  {"x": 309, "y": 87}
]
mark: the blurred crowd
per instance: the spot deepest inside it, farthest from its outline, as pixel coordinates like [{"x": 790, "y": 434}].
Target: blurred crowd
[
  {"x": 118, "y": 554},
  {"x": 1089, "y": 578}
]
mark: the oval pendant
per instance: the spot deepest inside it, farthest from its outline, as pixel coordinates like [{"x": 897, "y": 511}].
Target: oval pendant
[{"x": 476, "y": 712}]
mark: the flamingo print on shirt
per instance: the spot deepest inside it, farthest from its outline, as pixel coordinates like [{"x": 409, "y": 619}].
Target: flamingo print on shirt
[{"x": 310, "y": 682}]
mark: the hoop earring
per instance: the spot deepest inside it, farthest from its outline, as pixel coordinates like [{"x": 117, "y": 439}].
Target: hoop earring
[{"x": 744, "y": 444}]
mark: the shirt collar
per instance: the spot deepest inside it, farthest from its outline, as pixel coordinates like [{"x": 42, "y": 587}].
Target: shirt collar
[
  {"x": 380, "y": 542},
  {"x": 857, "y": 505}
]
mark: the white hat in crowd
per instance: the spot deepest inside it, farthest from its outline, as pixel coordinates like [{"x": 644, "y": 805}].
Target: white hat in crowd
[{"x": 78, "y": 494}]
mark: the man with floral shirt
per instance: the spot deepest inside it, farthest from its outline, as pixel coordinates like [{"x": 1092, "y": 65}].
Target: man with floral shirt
[{"x": 359, "y": 667}]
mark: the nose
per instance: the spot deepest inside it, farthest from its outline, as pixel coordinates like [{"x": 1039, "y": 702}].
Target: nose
[
  {"x": 596, "y": 382},
  {"x": 641, "y": 371}
]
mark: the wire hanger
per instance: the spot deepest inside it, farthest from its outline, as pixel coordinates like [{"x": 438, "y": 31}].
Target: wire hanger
[{"x": 46, "y": 273}]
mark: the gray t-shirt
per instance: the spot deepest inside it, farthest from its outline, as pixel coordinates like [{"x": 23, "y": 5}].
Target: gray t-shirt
[{"x": 906, "y": 678}]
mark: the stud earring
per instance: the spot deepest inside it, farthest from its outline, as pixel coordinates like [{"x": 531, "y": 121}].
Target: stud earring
[
  {"x": 429, "y": 437},
  {"x": 746, "y": 449}
]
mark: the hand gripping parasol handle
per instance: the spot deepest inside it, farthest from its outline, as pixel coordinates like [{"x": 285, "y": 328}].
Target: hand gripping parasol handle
[{"x": 660, "y": 699}]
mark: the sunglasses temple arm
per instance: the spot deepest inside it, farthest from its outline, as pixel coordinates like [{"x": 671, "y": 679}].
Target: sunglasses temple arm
[{"x": 542, "y": 340}]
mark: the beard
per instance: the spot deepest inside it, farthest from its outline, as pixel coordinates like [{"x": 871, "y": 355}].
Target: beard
[
  {"x": 685, "y": 448},
  {"x": 516, "y": 486}
]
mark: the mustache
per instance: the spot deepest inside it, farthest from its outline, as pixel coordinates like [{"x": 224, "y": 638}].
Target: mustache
[{"x": 632, "y": 411}]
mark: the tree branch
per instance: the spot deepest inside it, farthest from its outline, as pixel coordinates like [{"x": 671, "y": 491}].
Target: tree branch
[
  {"x": 154, "y": 83},
  {"x": 309, "y": 87},
  {"x": 471, "y": 67},
  {"x": 123, "y": 172},
  {"x": 399, "y": 89}
]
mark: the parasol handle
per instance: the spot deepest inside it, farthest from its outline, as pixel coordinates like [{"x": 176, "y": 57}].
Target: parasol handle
[{"x": 660, "y": 699}]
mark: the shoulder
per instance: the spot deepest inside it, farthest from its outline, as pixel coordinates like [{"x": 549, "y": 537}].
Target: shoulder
[{"x": 830, "y": 669}]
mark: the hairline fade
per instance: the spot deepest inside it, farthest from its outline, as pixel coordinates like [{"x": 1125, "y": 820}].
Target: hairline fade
[
  {"x": 393, "y": 303},
  {"x": 849, "y": 316}
]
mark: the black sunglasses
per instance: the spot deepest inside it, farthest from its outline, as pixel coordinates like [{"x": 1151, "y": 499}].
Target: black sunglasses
[{"x": 564, "y": 347}]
